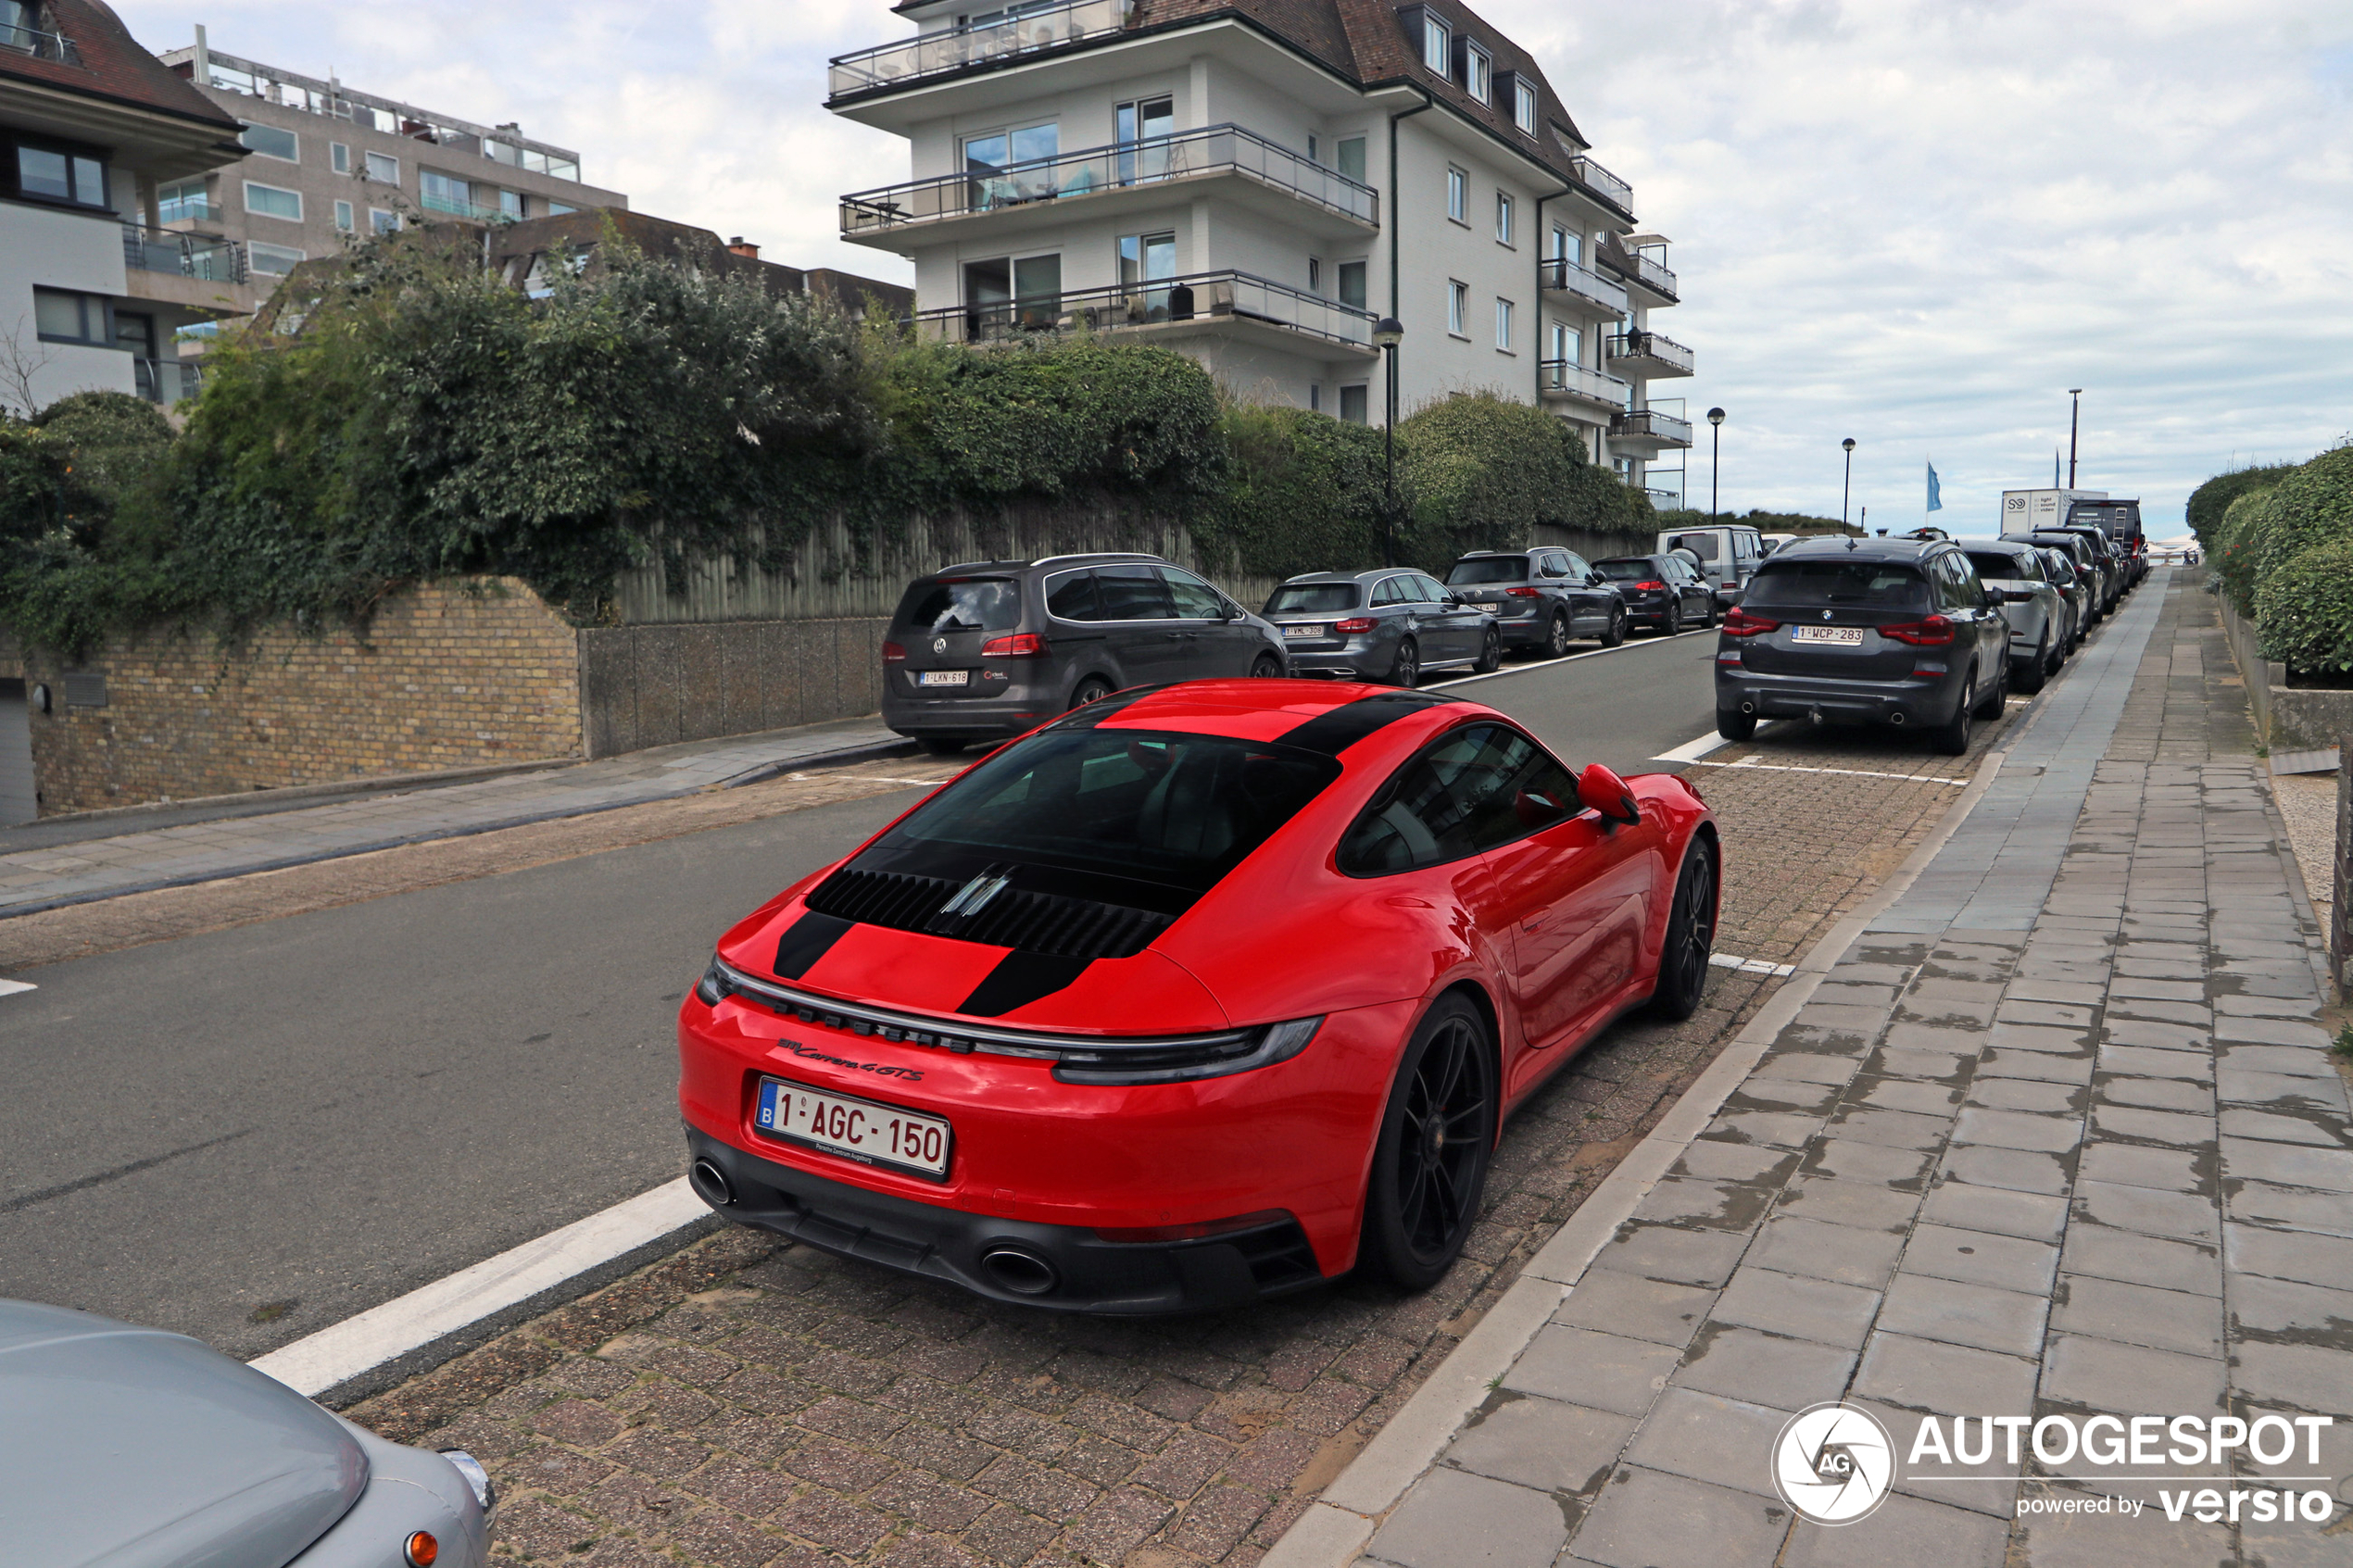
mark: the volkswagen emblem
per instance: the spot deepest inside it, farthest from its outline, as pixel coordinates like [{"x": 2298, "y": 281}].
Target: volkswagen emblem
[
  {"x": 939, "y": 645},
  {"x": 1826, "y": 615}
]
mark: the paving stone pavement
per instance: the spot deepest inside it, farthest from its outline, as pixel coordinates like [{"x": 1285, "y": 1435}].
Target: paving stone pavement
[
  {"x": 136, "y": 859},
  {"x": 2059, "y": 1136}
]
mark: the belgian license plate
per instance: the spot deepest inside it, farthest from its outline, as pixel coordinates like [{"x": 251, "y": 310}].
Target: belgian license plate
[
  {"x": 855, "y": 1129},
  {"x": 942, "y": 677},
  {"x": 1846, "y": 636},
  {"x": 1302, "y": 630},
  {"x": 1490, "y": 608}
]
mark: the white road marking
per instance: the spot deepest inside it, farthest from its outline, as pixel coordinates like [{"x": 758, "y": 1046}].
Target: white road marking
[
  {"x": 10, "y": 987},
  {"x": 1849, "y": 772},
  {"x": 1692, "y": 751},
  {"x": 335, "y": 1354},
  {"x": 1535, "y": 665},
  {"x": 1751, "y": 966}
]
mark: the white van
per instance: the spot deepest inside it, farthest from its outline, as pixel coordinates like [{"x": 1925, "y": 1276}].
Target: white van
[{"x": 1728, "y": 554}]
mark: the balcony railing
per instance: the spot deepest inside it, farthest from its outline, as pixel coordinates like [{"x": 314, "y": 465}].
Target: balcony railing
[
  {"x": 1577, "y": 381},
  {"x": 206, "y": 257},
  {"x": 1200, "y": 298},
  {"x": 433, "y": 201},
  {"x": 1650, "y": 425},
  {"x": 1654, "y": 346},
  {"x": 1563, "y": 276},
  {"x": 1651, "y": 275},
  {"x": 1029, "y": 29},
  {"x": 1594, "y": 177},
  {"x": 40, "y": 45},
  {"x": 1191, "y": 154}
]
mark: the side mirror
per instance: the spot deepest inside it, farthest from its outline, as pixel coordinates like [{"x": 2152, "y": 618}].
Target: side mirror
[{"x": 1598, "y": 789}]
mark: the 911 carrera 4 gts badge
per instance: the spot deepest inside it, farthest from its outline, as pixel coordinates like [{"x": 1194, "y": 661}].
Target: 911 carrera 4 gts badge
[{"x": 882, "y": 1069}]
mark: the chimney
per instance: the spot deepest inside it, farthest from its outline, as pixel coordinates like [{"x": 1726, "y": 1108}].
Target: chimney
[{"x": 743, "y": 247}]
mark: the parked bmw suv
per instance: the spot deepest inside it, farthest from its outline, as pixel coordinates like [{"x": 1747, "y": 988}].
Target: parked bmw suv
[
  {"x": 1541, "y": 597},
  {"x": 2039, "y": 613},
  {"x": 1388, "y": 624},
  {"x": 1878, "y": 631},
  {"x": 990, "y": 649}
]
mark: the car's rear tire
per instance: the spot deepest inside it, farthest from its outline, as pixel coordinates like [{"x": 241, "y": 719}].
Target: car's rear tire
[
  {"x": 1672, "y": 626},
  {"x": 1429, "y": 1168},
  {"x": 1407, "y": 667},
  {"x": 1690, "y": 936},
  {"x": 2039, "y": 670},
  {"x": 948, "y": 745},
  {"x": 1990, "y": 705},
  {"x": 1952, "y": 738},
  {"x": 1266, "y": 667},
  {"x": 2057, "y": 657},
  {"x": 1615, "y": 634},
  {"x": 1490, "y": 653},
  {"x": 1709, "y": 620},
  {"x": 1556, "y": 635},
  {"x": 1735, "y": 727},
  {"x": 1094, "y": 688}
]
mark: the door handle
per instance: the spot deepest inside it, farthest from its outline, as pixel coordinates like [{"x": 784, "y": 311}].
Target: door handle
[{"x": 1534, "y": 923}]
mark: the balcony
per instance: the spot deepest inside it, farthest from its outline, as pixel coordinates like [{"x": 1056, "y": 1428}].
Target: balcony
[
  {"x": 1650, "y": 276},
  {"x": 938, "y": 53},
  {"x": 456, "y": 207},
  {"x": 1584, "y": 288},
  {"x": 1232, "y": 304},
  {"x": 1129, "y": 174},
  {"x": 1648, "y": 355},
  {"x": 206, "y": 258},
  {"x": 1577, "y": 384},
  {"x": 1602, "y": 182},
  {"x": 1647, "y": 430},
  {"x": 40, "y": 45}
]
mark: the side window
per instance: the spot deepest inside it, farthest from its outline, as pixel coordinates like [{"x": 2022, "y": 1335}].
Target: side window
[
  {"x": 1578, "y": 567},
  {"x": 1390, "y": 591},
  {"x": 1133, "y": 593},
  {"x": 1430, "y": 589},
  {"x": 1195, "y": 599},
  {"x": 1070, "y": 595},
  {"x": 1479, "y": 787}
]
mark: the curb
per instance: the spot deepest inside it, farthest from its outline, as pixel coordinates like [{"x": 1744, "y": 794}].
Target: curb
[{"x": 1338, "y": 1525}]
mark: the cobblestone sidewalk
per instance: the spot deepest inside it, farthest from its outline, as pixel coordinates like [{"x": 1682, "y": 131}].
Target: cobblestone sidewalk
[{"x": 2058, "y": 1136}]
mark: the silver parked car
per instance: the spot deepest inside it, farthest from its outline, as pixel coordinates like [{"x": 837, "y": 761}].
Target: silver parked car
[
  {"x": 1388, "y": 624},
  {"x": 2061, "y": 567},
  {"x": 128, "y": 1446},
  {"x": 2039, "y": 613}
]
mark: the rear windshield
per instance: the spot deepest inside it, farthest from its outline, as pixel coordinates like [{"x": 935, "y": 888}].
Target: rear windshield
[
  {"x": 1494, "y": 569},
  {"x": 1178, "y": 809},
  {"x": 1992, "y": 564},
  {"x": 969, "y": 604},
  {"x": 1627, "y": 569},
  {"x": 1311, "y": 599},
  {"x": 1701, "y": 545},
  {"x": 1868, "y": 584}
]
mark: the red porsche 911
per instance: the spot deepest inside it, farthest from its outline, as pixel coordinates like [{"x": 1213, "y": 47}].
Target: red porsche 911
[{"x": 1196, "y": 995}]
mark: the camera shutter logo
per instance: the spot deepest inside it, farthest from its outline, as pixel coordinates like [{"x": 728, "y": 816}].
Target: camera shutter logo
[{"x": 1834, "y": 1464}]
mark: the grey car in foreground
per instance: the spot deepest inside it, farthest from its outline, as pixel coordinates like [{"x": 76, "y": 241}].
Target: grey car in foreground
[
  {"x": 130, "y": 1447},
  {"x": 1388, "y": 624},
  {"x": 992, "y": 649},
  {"x": 2039, "y": 612}
]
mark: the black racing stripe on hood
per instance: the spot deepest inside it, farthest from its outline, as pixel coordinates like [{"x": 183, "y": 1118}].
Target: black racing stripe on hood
[
  {"x": 1020, "y": 979},
  {"x": 1094, "y": 713},
  {"x": 805, "y": 941},
  {"x": 1335, "y": 730}
]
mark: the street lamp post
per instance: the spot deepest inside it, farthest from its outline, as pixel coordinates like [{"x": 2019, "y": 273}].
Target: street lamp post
[
  {"x": 1389, "y": 331},
  {"x": 1846, "y": 490},
  {"x": 1715, "y": 454},
  {"x": 2074, "y": 407}
]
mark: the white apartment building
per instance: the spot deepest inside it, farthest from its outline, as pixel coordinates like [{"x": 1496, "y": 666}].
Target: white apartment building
[
  {"x": 1258, "y": 183},
  {"x": 91, "y": 126}
]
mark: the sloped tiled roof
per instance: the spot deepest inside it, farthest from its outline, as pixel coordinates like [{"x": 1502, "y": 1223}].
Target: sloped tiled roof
[{"x": 111, "y": 64}]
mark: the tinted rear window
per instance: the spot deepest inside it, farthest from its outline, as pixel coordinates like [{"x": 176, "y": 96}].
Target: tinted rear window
[
  {"x": 1865, "y": 584},
  {"x": 1499, "y": 569},
  {"x": 1991, "y": 564},
  {"x": 969, "y": 604},
  {"x": 1311, "y": 599},
  {"x": 1627, "y": 569}
]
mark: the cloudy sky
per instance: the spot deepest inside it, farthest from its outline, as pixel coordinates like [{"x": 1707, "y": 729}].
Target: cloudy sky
[{"x": 1913, "y": 223}]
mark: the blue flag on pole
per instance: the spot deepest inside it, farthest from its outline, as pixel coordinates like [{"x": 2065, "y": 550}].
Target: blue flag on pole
[{"x": 1935, "y": 497}]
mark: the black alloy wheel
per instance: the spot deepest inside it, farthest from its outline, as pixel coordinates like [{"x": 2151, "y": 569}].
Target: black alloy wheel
[
  {"x": 1556, "y": 635},
  {"x": 1673, "y": 625},
  {"x": 1615, "y": 635},
  {"x": 2054, "y": 658},
  {"x": 1430, "y": 1170},
  {"x": 2039, "y": 670},
  {"x": 1490, "y": 653},
  {"x": 1989, "y": 707},
  {"x": 1690, "y": 936},
  {"x": 1952, "y": 738},
  {"x": 1407, "y": 669},
  {"x": 1094, "y": 688},
  {"x": 1267, "y": 668}
]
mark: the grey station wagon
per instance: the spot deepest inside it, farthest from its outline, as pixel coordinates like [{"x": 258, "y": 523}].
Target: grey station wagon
[
  {"x": 992, "y": 649},
  {"x": 1387, "y": 624}
]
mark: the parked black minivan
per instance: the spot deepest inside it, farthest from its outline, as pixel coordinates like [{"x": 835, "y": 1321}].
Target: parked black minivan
[
  {"x": 992, "y": 649},
  {"x": 1881, "y": 631}
]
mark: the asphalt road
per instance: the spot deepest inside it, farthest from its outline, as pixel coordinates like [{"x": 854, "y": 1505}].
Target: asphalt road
[{"x": 251, "y": 1134}]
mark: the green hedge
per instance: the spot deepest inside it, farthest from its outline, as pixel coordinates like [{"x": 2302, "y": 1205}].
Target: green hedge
[
  {"x": 2311, "y": 505},
  {"x": 2233, "y": 551},
  {"x": 2304, "y": 609},
  {"x": 1304, "y": 493},
  {"x": 2210, "y": 500},
  {"x": 1479, "y": 472}
]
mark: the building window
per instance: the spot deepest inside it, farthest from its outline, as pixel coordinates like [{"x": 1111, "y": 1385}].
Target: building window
[
  {"x": 383, "y": 168},
  {"x": 444, "y": 192},
  {"x": 57, "y": 174},
  {"x": 1524, "y": 106},
  {"x": 382, "y": 222},
  {"x": 62, "y": 317},
  {"x": 1314, "y": 398},
  {"x": 1314, "y": 149},
  {"x": 340, "y": 156},
  {"x": 1458, "y": 309},
  {"x": 184, "y": 203},
  {"x": 1438, "y": 46},
  {"x": 1351, "y": 284},
  {"x": 1566, "y": 247},
  {"x": 1566, "y": 344},
  {"x": 1503, "y": 325},
  {"x": 1502, "y": 218},
  {"x": 275, "y": 261},
  {"x": 510, "y": 204},
  {"x": 343, "y": 217},
  {"x": 1478, "y": 72},
  {"x": 1315, "y": 275},
  {"x": 270, "y": 142},
  {"x": 1351, "y": 404},
  {"x": 1457, "y": 195},
  {"x": 273, "y": 201},
  {"x": 1350, "y": 160},
  {"x": 556, "y": 209}
]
